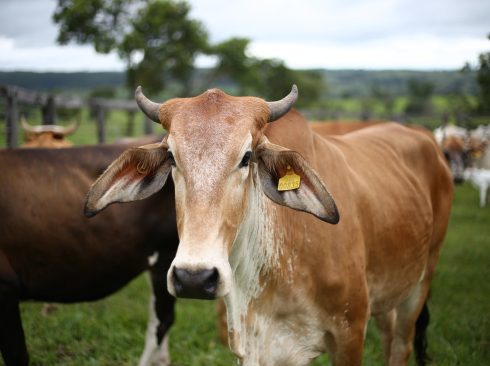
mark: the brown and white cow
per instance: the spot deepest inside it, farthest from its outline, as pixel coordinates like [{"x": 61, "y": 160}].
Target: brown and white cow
[
  {"x": 302, "y": 269},
  {"x": 50, "y": 136}
]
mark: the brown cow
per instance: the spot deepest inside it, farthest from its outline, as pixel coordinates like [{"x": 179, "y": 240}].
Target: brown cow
[
  {"x": 50, "y": 252},
  {"x": 341, "y": 127},
  {"x": 297, "y": 282},
  {"x": 50, "y": 136}
]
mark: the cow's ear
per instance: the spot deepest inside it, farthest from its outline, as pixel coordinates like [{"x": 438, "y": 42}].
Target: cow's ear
[
  {"x": 136, "y": 174},
  {"x": 276, "y": 162}
]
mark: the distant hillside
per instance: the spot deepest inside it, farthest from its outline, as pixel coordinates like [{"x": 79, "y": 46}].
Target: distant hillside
[
  {"x": 360, "y": 82},
  {"x": 62, "y": 80},
  {"x": 340, "y": 83}
]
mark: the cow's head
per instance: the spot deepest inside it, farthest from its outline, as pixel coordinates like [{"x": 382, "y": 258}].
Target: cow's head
[
  {"x": 50, "y": 136},
  {"x": 456, "y": 156},
  {"x": 219, "y": 156}
]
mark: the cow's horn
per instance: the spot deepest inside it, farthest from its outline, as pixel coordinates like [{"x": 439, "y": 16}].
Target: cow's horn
[
  {"x": 281, "y": 107},
  {"x": 27, "y": 127},
  {"x": 151, "y": 109},
  {"x": 65, "y": 131}
]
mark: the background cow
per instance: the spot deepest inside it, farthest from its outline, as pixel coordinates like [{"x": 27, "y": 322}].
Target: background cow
[
  {"x": 50, "y": 252},
  {"x": 294, "y": 286},
  {"x": 50, "y": 136}
]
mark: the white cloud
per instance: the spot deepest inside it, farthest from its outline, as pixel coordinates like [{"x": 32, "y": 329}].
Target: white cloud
[
  {"x": 49, "y": 58},
  {"x": 393, "y": 34},
  {"x": 418, "y": 52}
]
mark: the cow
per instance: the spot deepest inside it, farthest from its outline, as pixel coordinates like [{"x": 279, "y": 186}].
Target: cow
[
  {"x": 341, "y": 127},
  {"x": 479, "y": 140},
  {"x": 51, "y": 136},
  {"x": 301, "y": 267},
  {"x": 50, "y": 252},
  {"x": 480, "y": 179}
]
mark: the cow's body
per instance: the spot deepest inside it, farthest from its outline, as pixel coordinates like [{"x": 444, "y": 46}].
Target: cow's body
[
  {"x": 341, "y": 127},
  {"x": 294, "y": 286},
  {"x": 324, "y": 281},
  {"x": 50, "y": 252}
]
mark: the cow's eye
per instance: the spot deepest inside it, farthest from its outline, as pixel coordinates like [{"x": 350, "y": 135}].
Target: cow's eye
[
  {"x": 245, "y": 159},
  {"x": 170, "y": 158}
]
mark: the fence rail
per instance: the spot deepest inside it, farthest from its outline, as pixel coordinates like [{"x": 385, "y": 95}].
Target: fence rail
[{"x": 49, "y": 102}]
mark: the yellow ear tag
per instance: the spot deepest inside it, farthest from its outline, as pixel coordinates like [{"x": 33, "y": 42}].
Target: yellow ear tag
[{"x": 289, "y": 181}]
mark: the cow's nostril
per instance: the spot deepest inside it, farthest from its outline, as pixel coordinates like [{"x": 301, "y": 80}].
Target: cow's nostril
[
  {"x": 200, "y": 284},
  {"x": 211, "y": 283}
]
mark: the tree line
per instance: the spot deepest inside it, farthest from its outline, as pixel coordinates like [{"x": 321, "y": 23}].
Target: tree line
[{"x": 159, "y": 43}]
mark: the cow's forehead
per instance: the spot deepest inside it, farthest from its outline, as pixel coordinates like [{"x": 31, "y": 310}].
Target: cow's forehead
[
  {"x": 215, "y": 115},
  {"x": 214, "y": 123},
  {"x": 208, "y": 133}
]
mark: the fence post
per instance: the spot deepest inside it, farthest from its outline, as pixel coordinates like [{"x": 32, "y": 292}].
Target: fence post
[
  {"x": 49, "y": 111},
  {"x": 12, "y": 117},
  {"x": 130, "y": 125},
  {"x": 101, "y": 131},
  {"x": 148, "y": 126}
]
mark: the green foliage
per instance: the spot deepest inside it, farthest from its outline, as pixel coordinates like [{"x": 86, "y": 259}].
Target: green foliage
[
  {"x": 419, "y": 93},
  {"x": 103, "y": 92},
  {"x": 358, "y": 83},
  {"x": 155, "y": 38},
  {"x": 97, "y": 22},
  {"x": 483, "y": 79},
  {"x": 267, "y": 78},
  {"x": 169, "y": 42},
  {"x": 234, "y": 63},
  {"x": 384, "y": 97}
]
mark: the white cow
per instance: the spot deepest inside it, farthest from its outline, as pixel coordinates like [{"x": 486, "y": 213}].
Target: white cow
[{"x": 480, "y": 178}]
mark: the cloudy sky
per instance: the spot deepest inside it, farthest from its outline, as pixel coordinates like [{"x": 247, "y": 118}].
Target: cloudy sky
[{"x": 336, "y": 34}]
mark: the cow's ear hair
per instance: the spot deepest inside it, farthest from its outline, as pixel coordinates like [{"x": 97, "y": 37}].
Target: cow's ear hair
[
  {"x": 311, "y": 196},
  {"x": 136, "y": 174}
]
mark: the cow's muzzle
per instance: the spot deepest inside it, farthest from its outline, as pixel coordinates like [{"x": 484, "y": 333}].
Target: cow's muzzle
[{"x": 200, "y": 284}]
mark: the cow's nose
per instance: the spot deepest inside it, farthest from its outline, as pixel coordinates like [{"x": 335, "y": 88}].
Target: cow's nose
[{"x": 201, "y": 284}]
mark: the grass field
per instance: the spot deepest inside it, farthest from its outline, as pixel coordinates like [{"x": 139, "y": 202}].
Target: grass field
[{"x": 111, "y": 332}]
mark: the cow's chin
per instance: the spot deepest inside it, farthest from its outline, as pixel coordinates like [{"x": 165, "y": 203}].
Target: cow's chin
[{"x": 202, "y": 280}]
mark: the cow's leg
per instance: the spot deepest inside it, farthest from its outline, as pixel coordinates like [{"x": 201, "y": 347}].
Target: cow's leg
[
  {"x": 12, "y": 341},
  {"x": 386, "y": 325},
  {"x": 161, "y": 316},
  {"x": 407, "y": 314},
  {"x": 483, "y": 195},
  {"x": 349, "y": 347}
]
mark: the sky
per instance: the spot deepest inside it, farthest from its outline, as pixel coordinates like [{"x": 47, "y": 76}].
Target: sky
[{"x": 331, "y": 34}]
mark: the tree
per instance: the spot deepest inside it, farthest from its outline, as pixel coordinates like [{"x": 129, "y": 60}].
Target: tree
[
  {"x": 385, "y": 98},
  {"x": 268, "y": 78},
  {"x": 419, "y": 94},
  {"x": 483, "y": 80},
  {"x": 168, "y": 41},
  {"x": 156, "y": 39}
]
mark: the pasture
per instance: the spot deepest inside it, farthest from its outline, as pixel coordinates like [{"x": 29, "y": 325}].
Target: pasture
[{"x": 111, "y": 331}]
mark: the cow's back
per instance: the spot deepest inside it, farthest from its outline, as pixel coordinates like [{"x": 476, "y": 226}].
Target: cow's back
[{"x": 56, "y": 252}]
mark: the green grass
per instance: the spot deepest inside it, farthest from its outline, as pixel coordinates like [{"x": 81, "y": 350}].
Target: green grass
[{"x": 111, "y": 331}]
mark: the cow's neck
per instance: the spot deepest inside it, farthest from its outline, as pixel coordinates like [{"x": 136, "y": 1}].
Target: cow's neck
[{"x": 255, "y": 255}]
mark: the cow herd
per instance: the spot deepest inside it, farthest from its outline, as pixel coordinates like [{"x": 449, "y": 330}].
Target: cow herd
[{"x": 304, "y": 230}]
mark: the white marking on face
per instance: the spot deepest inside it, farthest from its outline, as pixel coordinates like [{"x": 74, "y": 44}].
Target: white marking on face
[{"x": 205, "y": 247}]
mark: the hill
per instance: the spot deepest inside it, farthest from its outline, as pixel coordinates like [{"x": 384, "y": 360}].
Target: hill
[{"x": 340, "y": 83}]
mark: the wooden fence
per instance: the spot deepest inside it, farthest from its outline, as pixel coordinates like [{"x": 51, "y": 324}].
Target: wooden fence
[{"x": 48, "y": 103}]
